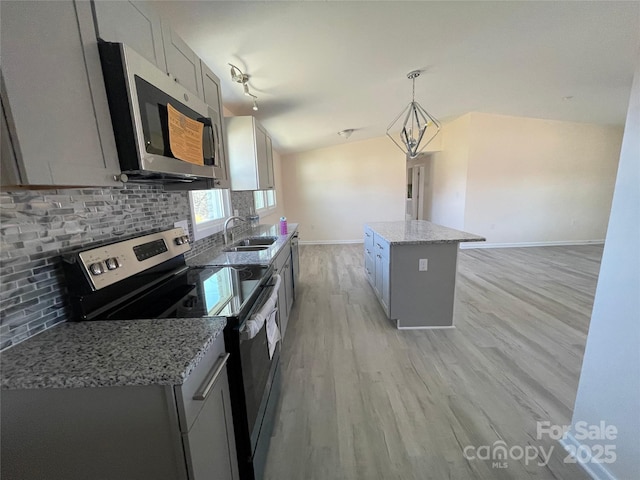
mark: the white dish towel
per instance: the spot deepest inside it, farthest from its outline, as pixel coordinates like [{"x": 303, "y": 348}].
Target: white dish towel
[{"x": 266, "y": 314}]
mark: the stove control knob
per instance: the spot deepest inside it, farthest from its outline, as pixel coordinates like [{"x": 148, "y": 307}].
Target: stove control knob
[
  {"x": 112, "y": 263},
  {"x": 96, "y": 268},
  {"x": 179, "y": 240},
  {"x": 185, "y": 240}
]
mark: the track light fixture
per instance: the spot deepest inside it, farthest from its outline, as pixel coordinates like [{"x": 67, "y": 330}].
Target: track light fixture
[{"x": 239, "y": 77}]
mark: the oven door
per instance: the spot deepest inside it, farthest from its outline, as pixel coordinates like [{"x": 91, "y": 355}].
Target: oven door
[{"x": 258, "y": 369}]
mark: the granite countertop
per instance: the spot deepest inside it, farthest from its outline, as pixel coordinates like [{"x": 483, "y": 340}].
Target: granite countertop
[
  {"x": 419, "y": 232},
  {"x": 217, "y": 257},
  {"x": 110, "y": 353}
]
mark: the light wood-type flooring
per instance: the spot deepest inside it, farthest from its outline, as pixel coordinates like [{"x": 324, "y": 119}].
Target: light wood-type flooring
[{"x": 362, "y": 400}]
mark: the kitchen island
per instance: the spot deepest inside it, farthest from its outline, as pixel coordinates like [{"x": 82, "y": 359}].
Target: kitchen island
[{"x": 412, "y": 266}]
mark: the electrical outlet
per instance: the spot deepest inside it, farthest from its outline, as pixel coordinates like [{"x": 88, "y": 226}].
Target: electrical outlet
[
  {"x": 423, "y": 264},
  {"x": 184, "y": 224},
  {"x": 236, "y": 212}
]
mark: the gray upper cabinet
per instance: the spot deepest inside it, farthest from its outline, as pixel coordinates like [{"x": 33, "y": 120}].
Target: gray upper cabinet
[
  {"x": 135, "y": 24},
  {"x": 182, "y": 63},
  {"x": 213, "y": 97},
  {"x": 250, "y": 154},
  {"x": 54, "y": 106},
  {"x": 270, "y": 172},
  {"x": 139, "y": 26}
]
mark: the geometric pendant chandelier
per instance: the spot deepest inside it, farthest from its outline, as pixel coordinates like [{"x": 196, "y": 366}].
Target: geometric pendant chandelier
[{"x": 419, "y": 126}]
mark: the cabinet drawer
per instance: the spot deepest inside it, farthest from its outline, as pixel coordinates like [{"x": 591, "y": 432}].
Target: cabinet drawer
[
  {"x": 368, "y": 238},
  {"x": 369, "y": 266},
  {"x": 188, "y": 406},
  {"x": 282, "y": 257},
  {"x": 380, "y": 246}
]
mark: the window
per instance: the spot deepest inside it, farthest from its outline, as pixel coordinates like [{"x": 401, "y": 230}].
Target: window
[
  {"x": 209, "y": 208},
  {"x": 264, "y": 200}
]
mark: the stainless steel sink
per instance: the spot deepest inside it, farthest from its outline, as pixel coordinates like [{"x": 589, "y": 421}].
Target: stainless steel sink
[
  {"x": 246, "y": 248},
  {"x": 255, "y": 241}
]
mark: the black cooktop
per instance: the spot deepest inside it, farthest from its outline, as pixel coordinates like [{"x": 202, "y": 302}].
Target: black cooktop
[{"x": 194, "y": 293}]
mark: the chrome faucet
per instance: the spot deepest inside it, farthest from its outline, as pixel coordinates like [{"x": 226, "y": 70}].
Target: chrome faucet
[{"x": 226, "y": 225}]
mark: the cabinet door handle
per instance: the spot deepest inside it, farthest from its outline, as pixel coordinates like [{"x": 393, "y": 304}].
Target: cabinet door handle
[
  {"x": 379, "y": 256},
  {"x": 367, "y": 250},
  {"x": 379, "y": 246},
  {"x": 211, "y": 379},
  {"x": 367, "y": 234}
]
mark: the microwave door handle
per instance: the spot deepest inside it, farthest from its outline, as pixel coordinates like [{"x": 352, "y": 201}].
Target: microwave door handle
[{"x": 212, "y": 138}]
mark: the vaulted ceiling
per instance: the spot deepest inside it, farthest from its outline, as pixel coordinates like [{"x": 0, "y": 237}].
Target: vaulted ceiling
[{"x": 321, "y": 67}]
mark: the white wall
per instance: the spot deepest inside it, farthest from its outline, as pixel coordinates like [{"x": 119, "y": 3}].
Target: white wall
[
  {"x": 514, "y": 180},
  {"x": 517, "y": 180},
  {"x": 448, "y": 175},
  {"x": 533, "y": 180},
  {"x": 609, "y": 388},
  {"x": 333, "y": 191}
]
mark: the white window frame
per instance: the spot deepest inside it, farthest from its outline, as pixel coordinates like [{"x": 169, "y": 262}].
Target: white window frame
[
  {"x": 212, "y": 227},
  {"x": 269, "y": 208}
]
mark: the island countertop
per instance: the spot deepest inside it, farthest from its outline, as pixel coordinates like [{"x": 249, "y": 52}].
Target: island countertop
[
  {"x": 419, "y": 232},
  {"x": 110, "y": 353}
]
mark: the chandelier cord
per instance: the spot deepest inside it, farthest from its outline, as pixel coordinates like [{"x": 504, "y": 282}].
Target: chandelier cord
[{"x": 413, "y": 93}]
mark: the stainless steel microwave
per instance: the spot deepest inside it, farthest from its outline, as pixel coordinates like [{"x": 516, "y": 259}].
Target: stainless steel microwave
[{"x": 139, "y": 93}]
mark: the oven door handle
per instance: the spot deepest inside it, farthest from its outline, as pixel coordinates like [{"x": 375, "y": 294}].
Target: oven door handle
[{"x": 203, "y": 392}]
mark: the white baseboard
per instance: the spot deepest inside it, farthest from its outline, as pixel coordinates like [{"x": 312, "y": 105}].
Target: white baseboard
[
  {"x": 330, "y": 242},
  {"x": 464, "y": 246},
  {"x": 557, "y": 243},
  {"x": 597, "y": 471},
  {"x": 443, "y": 327}
]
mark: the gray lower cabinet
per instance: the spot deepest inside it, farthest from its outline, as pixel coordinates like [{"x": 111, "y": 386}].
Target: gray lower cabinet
[
  {"x": 210, "y": 444},
  {"x": 283, "y": 266},
  {"x": 288, "y": 283},
  {"x": 154, "y": 432},
  {"x": 381, "y": 252},
  {"x": 369, "y": 262},
  {"x": 56, "y": 116},
  {"x": 411, "y": 297}
]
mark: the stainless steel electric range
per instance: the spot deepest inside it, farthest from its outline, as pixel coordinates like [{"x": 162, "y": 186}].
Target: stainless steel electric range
[{"x": 146, "y": 277}]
